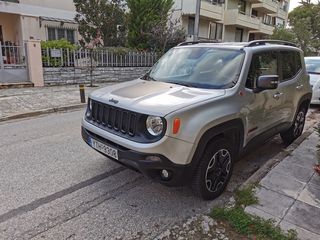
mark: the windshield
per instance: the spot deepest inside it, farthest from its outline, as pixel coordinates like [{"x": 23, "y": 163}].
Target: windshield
[
  {"x": 313, "y": 66},
  {"x": 201, "y": 67}
]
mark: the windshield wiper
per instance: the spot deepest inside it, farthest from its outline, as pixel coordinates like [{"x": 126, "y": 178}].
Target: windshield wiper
[
  {"x": 148, "y": 77},
  {"x": 182, "y": 84}
]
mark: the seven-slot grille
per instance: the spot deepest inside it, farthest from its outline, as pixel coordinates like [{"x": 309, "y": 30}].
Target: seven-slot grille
[{"x": 114, "y": 118}]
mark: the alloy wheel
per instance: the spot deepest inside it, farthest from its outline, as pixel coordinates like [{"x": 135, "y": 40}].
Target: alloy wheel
[
  {"x": 299, "y": 124},
  {"x": 218, "y": 170}
]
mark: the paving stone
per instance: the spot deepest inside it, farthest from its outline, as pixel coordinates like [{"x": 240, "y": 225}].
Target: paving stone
[
  {"x": 303, "y": 234},
  {"x": 297, "y": 171},
  {"x": 280, "y": 183},
  {"x": 304, "y": 216},
  {"x": 315, "y": 180},
  {"x": 272, "y": 202},
  {"x": 258, "y": 212},
  {"x": 311, "y": 195},
  {"x": 305, "y": 157}
]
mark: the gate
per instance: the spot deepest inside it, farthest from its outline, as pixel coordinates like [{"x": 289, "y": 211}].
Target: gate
[{"x": 13, "y": 64}]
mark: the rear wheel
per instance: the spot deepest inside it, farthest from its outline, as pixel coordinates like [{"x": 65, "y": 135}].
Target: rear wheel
[
  {"x": 214, "y": 170},
  {"x": 296, "y": 129}
]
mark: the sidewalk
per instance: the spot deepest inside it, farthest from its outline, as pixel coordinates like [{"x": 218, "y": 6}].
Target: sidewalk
[
  {"x": 30, "y": 101},
  {"x": 290, "y": 192}
]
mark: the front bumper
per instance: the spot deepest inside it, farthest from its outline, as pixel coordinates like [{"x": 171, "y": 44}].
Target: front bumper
[{"x": 179, "y": 174}]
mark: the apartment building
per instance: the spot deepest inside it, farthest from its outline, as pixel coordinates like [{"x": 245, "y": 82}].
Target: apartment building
[
  {"x": 22, "y": 20},
  {"x": 232, "y": 20}
]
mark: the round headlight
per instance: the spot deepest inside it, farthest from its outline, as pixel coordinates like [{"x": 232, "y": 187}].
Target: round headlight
[{"x": 154, "y": 125}]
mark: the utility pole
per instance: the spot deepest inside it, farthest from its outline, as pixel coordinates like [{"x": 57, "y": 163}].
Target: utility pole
[{"x": 196, "y": 21}]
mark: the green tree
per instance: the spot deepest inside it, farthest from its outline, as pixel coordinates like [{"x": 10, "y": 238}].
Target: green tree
[
  {"x": 105, "y": 17},
  {"x": 150, "y": 24},
  {"x": 282, "y": 33},
  {"x": 305, "y": 23}
]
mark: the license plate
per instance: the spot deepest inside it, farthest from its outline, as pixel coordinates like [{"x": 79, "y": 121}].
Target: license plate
[{"x": 107, "y": 150}]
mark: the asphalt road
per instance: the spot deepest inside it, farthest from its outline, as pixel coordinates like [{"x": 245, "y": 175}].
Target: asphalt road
[{"x": 53, "y": 186}]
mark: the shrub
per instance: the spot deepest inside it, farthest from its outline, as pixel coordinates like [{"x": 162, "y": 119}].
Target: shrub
[{"x": 58, "y": 44}]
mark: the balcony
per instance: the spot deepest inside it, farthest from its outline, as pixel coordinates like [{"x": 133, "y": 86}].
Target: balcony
[
  {"x": 282, "y": 13},
  {"x": 233, "y": 17},
  {"x": 266, "y": 6},
  {"x": 209, "y": 9},
  {"x": 266, "y": 28}
]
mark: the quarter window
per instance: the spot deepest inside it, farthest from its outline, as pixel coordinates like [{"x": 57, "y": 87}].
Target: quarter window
[
  {"x": 262, "y": 64},
  {"x": 291, "y": 64}
]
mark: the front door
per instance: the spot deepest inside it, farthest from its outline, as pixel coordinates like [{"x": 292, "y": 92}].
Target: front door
[{"x": 264, "y": 108}]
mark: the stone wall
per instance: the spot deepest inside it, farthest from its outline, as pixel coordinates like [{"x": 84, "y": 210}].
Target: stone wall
[{"x": 72, "y": 75}]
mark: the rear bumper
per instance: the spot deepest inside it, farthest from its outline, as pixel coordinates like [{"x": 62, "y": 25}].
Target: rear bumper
[{"x": 141, "y": 162}]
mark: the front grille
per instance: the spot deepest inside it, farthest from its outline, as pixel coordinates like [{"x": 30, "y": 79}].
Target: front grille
[{"x": 114, "y": 118}]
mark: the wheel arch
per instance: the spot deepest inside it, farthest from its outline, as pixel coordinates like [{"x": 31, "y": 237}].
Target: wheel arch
[
  {"x": 232, "y": 130},
  {"x": 305, "y": 100}
]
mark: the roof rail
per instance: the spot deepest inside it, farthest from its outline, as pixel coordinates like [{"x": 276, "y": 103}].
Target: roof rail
[
  {"x": 197, "y": 42},
  {"x": 264, "y": 42}
]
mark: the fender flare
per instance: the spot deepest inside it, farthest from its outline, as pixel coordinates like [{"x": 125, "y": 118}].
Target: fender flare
[{"x": 233, "y": 129}]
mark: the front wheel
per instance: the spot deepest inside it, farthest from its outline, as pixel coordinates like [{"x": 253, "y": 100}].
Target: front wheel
[
  {"x": 296, "y": 129},
  {"x": 214, "y": 170}
]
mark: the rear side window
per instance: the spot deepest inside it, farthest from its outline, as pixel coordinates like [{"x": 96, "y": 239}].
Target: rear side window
[
  {"x": 291, "y": 64},
  {"x": 262, "y": 64}
]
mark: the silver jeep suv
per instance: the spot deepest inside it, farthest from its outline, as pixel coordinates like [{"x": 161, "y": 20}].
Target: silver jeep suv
[{"x": 201, "y": 107}]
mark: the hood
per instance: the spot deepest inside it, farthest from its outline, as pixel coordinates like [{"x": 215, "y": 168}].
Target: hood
[{"x": 151, "y": 97}]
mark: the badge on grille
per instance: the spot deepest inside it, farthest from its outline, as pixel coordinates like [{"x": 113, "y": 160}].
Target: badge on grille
[{"x": 113, "y": 101}]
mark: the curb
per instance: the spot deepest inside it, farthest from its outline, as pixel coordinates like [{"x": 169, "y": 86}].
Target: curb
[
  {"x": 265, "y": 169},
  {"x": 16, "y": 85},
  {"x": 42, "y": 112}
]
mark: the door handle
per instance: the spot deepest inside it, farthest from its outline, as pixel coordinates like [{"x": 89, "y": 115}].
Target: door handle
[
  {"x": 299, "y": 87},
  {"x": 277, "y": 95}
]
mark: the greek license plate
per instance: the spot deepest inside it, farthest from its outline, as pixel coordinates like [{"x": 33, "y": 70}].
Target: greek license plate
[{"x": 107, "y": 150}]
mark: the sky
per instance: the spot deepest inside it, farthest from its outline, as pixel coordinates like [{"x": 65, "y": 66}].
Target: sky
[{"x": 295, "y": 3}]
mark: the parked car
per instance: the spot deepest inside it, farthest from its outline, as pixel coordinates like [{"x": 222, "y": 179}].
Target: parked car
[
  {"x": 313, "y": 68},
  {"x": 201, "y": 107}
]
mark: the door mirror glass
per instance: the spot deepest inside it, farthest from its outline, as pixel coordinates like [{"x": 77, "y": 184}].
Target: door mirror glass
[{"x": 265, "y": 82}]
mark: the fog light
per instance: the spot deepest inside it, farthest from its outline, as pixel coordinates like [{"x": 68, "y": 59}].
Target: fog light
[{"x": 165, "y": 174}]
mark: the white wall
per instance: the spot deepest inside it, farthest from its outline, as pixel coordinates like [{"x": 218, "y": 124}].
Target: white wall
[{"x": 57, "y": 4}]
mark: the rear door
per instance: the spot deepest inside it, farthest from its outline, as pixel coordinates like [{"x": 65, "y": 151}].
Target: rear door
[{"x": 290, "y": 82}]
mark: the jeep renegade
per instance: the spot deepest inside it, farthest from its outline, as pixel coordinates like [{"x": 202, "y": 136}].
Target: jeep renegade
[{"x": 199, "y": 108}]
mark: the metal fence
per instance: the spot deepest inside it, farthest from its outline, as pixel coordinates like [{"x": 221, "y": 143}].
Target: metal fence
[
  {"x": 12, "y": 55},
  {"x": 96, "y": 58}
]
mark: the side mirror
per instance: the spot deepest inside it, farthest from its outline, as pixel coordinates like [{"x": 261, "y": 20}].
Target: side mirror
[{"x": 267, "y": 82}]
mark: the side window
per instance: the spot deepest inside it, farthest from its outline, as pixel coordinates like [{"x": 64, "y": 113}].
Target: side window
[
  {"x": 291, "y": 64},
  {"x": 262, "y": 64}
]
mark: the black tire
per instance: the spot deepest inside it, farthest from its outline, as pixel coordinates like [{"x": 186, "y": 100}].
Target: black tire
[
  {"x": 296, "y": 129},
  {"x": 214, "y": 170}
]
